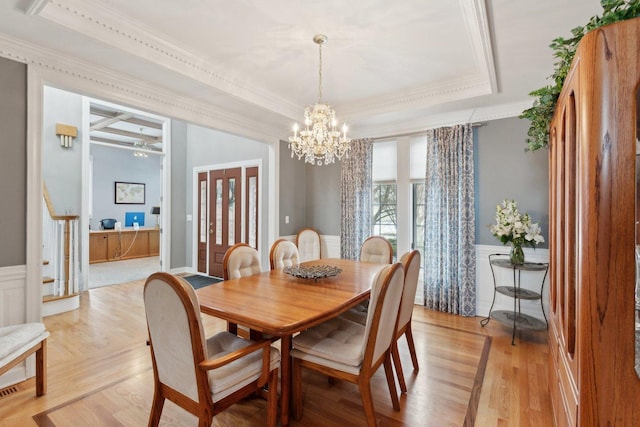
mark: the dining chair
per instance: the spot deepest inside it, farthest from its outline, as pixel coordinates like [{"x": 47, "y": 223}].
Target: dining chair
[
  {"x": 350, "y": 351},
  {"x": 308, "y": 243},
  {"x": 203, "y": 376},
  {"x": 376, "y": 249},
  {"x": 411, "y": 263},
  {"x": 240, "y": 260},
  {"x": 283, "y": 254}
]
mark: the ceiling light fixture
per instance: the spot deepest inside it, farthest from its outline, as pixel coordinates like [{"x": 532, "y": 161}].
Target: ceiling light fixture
[
  {"x": 142, "y": 144},
  {"x": 319, "y": 142}
]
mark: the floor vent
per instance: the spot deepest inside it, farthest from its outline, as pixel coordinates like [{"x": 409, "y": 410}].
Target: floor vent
[{"x": 7, "y": 391}]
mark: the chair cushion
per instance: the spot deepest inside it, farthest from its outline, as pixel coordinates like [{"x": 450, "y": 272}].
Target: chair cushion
[
  {"x": 16, "y": 339},
  {"x": 337, "y": 339},
  {"x": 225, "y": 380},
  {"x": 356, "y": 314}
]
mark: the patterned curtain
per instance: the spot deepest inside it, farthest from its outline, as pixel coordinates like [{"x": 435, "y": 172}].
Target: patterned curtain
[
  {"x": 450, "y": 270},
  {"x": 355, "y": 195}
]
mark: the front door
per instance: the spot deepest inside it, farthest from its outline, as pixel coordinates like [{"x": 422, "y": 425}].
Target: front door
[{"x": 225, "y": 214}]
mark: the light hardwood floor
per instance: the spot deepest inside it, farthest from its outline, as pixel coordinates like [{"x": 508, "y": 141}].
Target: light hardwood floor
[{"x": 100, "y": 375}]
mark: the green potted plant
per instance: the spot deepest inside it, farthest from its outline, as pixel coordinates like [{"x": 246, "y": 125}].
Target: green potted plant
[{"x": 541, "y": 113}]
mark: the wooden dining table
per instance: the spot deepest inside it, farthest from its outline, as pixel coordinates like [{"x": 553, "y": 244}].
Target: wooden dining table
[{"x": 280, "y": 304}]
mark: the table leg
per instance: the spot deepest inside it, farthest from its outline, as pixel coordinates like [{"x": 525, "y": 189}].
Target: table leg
[{"x": 285, "y": 385}]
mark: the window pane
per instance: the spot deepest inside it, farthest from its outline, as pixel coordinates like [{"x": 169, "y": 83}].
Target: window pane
[
  {"x": 218, "y": 212},
  {"x": 419, "y": 217},
  {"x": 384, "y": 161},
  {"x": 384, "y": 209},
  {"x": 232, "y": 212},
  {"x": 203, "y": 212},
  {"x": 418, "y": 158},
  {"x": 253, "y": 210}
]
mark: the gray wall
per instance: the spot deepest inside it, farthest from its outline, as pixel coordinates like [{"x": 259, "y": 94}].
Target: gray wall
[
  {"x": 293, "y": 190},
  {"x": 504, "y": 170},
  {"x": 13, "y": 163},
  {"x": 180, "y": 186},
  {"x": 323, "y": 198},
  {"x": 111, "y": 164},
  {"x": 309, "y": 195},
  {"x": 61, "y": 167}
]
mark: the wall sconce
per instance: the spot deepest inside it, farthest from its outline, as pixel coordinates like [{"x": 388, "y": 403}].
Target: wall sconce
[
  {"x": 155, "y": 210},
  {"x": 66, "y": 134}
]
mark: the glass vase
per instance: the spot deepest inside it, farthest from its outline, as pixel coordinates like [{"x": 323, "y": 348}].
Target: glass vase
[{"x": 516, "y": 256}]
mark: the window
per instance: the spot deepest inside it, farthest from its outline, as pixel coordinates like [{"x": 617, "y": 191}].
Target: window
[
  {"x": 384, "y": 209},
  {"x": 385, "y": 213},
  {"x": 419, "y": 213}
]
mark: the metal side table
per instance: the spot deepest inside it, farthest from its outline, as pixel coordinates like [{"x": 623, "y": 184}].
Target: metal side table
[{"x": 515, "y": 318}]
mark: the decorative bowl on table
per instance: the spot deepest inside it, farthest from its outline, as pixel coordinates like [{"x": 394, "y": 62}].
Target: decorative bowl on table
[{"x": 314, "y": 272}]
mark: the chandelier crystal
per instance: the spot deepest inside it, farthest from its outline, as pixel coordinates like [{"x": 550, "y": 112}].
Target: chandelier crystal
[{"x": 320, "y": 142}]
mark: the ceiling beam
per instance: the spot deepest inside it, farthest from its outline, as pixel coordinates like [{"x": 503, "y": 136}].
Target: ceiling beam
[
  {"x": 134, "y": 120},
  {"x": 97, "y": 125},
  {"x": 124, "y": 144},
  {"x": 148, "y": 138}
]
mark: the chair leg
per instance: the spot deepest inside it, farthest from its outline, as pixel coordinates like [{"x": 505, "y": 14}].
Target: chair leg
[
  {"x": 367, "y": 401},
  {"x": 156, "y": 408},
  {"x": 41, "y": 369},
  {"x": 391, "y": 381},
  {"x": 296, "y": 389},
  {"x": 412, "y": 348},
  {"x": 398, "y": 365},
  {"x": 272, "y": 399},
  {"x": 205, "y": 419}
]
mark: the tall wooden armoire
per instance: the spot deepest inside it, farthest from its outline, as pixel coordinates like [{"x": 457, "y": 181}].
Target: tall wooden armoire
[{"x": 593, "y": 223}]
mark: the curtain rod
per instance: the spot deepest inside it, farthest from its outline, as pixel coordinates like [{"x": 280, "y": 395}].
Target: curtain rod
[{"x": 378, "y": 138}]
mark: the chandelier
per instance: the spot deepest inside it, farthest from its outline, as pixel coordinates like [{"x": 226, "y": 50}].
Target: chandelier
[{"x": 319, "y": 142}]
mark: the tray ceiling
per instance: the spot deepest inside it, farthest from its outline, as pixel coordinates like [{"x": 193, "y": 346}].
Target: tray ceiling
[{"x": 388, "y": 67}]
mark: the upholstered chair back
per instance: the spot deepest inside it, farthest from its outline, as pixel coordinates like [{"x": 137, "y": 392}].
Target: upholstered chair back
[
  {"x": 283, "y": 254},
  {"x": 308, "y": 243},
  {"x": 175, "y": 331},
  {"x": 376, "y": 249},
  {"x": 411, "y": 263},
  {"x": 380, "y": 329},
  {"x": 240, "y": 260}
]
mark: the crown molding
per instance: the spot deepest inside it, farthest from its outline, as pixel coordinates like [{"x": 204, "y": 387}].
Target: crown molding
[
  {"x": 71, "y": 74},
  {"x": 482, "y": 83},
  {"x": 105, "y": 25},
  {"x": 101, "y": 23},
  {"x": 426, "y": 96},
  {"x": 472, "y": 115}
]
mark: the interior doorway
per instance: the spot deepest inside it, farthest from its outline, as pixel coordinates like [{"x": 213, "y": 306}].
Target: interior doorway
[{"x": 115, "y": 145}]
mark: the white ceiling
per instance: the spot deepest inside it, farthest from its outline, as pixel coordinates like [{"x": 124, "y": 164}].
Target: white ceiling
[{"x": 389, "y": 67}]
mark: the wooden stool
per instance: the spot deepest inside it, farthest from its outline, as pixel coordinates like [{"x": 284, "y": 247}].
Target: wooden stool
[{"x": 17, "y": 342}]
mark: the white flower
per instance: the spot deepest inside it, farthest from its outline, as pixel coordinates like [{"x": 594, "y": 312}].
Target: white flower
[{"x": 513, "y": 227}]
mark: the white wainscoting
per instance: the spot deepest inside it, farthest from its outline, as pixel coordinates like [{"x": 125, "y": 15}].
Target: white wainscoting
[
  {"x": 529, "y": 279},
  {"x": 12, "y": 312}
]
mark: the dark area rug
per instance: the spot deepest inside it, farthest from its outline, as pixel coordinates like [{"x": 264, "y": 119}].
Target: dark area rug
[{"x": 200, "y": 281}]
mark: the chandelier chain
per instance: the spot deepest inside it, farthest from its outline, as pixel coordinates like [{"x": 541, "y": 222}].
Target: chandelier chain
[{"x": 320, "y": 76}]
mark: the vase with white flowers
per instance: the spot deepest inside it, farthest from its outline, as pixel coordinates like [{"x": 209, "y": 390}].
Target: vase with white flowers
[{"x": 516, "y": 229}]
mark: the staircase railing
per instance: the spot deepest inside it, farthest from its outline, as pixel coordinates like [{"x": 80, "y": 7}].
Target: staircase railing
[{"x": 60, "y": 249}]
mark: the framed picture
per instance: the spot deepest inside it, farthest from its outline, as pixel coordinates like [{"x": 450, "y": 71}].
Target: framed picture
[{"x": 129, "y": 193}]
